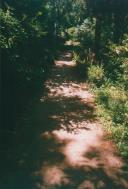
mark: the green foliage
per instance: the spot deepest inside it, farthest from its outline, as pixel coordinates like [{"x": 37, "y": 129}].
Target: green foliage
[
  {"x": 109, "y": 76},
  {"x": 73, "y": 33},
  {"x": 112, "y": 109},
  {"x": 37, "y": 29},
  {"x": 81, "y": 65},
  {"x": 96, "y": 74},
  {"x": 11, "y": 31},
  {"x": 115, "y": 100},
  {"x": 112, "y": 97},
  {"x": 85, "y": 33},
  {"x": 116, "y": 63},
  {"x": 123, "y": 78},
  {"x": 25, "y": 50}
]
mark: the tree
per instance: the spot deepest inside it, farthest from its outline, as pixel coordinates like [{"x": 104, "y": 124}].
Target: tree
[{"x": 114, "y": 11}]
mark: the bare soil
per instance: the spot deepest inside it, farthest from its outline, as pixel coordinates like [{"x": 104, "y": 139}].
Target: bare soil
[{"x": 60, "y": 143}]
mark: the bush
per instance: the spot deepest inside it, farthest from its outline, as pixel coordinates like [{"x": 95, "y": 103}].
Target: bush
[
  {"x": 96, "y": 74},
  {"x": 111, "y": 96},
  {"x": 81, "y": 64},
  {"x": 112, "y": 108},
  {"x": 114, "y": 100},
  {"x": 116, "y": 63},
  {"x": 26, "y": 60},
  {"x": 73, "y": 33},
  {"x": 11, "y": 31},
  {"x": 123, "y": 78},
  {"x": 85, "y": 33}
]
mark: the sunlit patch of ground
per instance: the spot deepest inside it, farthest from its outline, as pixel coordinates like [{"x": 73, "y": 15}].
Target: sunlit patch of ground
[
  {"x": 78, "y": 154},
  {"x": 87, "y": 153}
]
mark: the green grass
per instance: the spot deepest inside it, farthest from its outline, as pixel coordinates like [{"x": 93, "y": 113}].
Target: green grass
[{"x": 112, "y": 110}]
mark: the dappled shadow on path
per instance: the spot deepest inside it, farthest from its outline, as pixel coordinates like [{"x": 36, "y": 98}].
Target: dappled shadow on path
[
  {"x": 81, "y": 160},
  {"x": 60, "y": 144}
]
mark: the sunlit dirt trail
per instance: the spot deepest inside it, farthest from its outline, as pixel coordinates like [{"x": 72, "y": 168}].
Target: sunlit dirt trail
[
  {"x": 61, "y": 144},
  {"x": 78, "y": 154}
]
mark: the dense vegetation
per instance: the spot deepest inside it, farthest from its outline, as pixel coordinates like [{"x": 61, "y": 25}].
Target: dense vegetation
[
  {"x": 32, "y": 32},
  {"x": 25, "y": 55},
  {"x": 102, "y": 58}
]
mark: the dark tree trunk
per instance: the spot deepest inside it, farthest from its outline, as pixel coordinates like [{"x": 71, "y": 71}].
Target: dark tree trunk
[
  {"x": 0, "y": 87},
  {"x": 119, "y": 26},
  {"x": 97, "y": 36},
  {"x": 7, "y": 94}
]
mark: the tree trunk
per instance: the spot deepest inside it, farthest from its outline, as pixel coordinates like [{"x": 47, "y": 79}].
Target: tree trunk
[
  {"x": 119, "y": 20},
  {"x": 97, "y": 36}
]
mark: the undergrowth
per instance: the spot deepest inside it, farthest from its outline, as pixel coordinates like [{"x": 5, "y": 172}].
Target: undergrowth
[
  {"x": 109, "y": 81},
  {"x": 112, "y": 97}
]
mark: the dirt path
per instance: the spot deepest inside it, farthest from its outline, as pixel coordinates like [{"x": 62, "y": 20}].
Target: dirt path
[{"x": 61, "y": 144}]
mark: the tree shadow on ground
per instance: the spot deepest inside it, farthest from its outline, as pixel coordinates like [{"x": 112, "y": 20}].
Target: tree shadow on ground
[
  {"x": 82, "y": 160},
  {"x": 58, "y": 143}
]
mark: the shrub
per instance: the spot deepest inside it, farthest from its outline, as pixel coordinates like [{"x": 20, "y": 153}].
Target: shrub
[
  {"x": 96, "y": 74},
  {"x": 73, "y": 33},
  {"x": 11, "y": 31},
  {"x": 81, "y": 64},
  {"x": 112, "y": 97},
  {"x": 86, "y": 32},
  {"x": 123, "y": 78},
  {"x": 116, "y": 63},
  {"x": 115, "y": 100}
]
